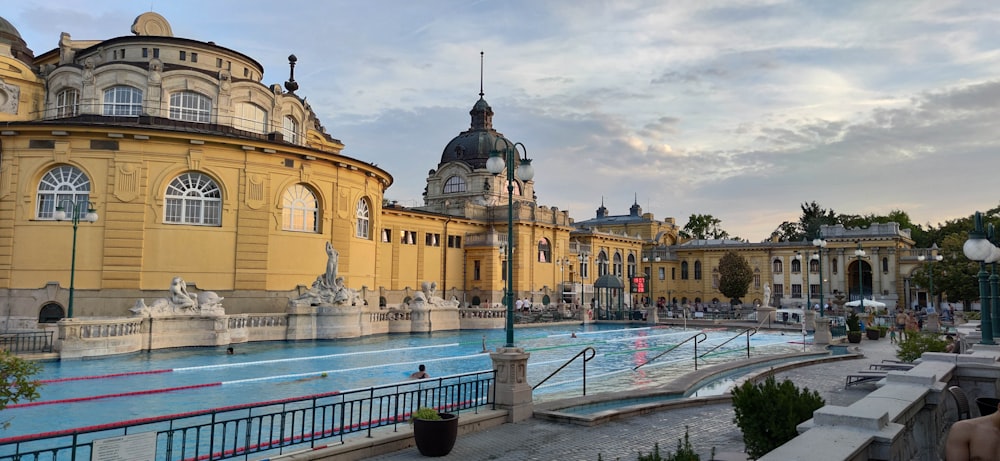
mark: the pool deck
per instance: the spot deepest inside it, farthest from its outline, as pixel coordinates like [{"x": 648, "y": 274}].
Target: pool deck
[{"x": 709, "y": 425}]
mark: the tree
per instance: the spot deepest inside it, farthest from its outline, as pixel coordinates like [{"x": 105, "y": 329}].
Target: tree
[
  {"x": 954, "y": 274},
  {"x": 16, "y": 374},
  {"x": 735, "y": 275},
  {"x": 703, "y": 226},
  {"x": 807, "y": 228}
]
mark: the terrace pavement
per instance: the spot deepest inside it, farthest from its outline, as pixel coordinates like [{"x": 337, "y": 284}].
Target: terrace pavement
[{"x": 709, "y": 426}]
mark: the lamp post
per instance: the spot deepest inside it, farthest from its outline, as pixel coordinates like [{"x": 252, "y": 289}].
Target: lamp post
[
  {"x": 978, "y": 248},
  {"x": 820, "y": 244},
  {"x": 994, "y": 280},
  {"x": 930, "y": 271},
  {"x": 860, "y": 253},
  {"x": 582, "y": 257},
  {"x": 76, "y": 211},
  {"x": 499, "y": 161}
]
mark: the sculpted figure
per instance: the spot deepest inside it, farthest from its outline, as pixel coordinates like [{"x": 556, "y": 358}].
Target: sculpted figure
[
  {"x": 179, "y": 295},
  {"x": 767, "y": 294},
  {"x": 331, "y": 265}
]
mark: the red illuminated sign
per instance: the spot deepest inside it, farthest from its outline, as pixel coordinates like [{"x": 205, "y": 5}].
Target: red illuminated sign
[{"x": 638, "y": 284}]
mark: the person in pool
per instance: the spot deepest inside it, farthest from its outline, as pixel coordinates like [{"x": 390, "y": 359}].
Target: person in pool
[{"x": 421, "y": 373}]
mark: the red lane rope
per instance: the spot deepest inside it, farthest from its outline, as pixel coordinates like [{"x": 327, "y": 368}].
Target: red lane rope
[
  {"x": 113, "y": 375},
  {"x": 110, "y": 396}
]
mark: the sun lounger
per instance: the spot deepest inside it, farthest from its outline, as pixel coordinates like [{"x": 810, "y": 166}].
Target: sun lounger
[
  {"x": 885, "y": 366},
  {"x": 865, "y": 376}
]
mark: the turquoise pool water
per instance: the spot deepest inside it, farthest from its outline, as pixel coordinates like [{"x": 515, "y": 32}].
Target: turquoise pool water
[{"x": 180, "y": 380}]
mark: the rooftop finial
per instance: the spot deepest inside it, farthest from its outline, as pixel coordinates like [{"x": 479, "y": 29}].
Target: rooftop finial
[
  {"x": 291, "y": 85},
  {"x": 481, "y": 57}
]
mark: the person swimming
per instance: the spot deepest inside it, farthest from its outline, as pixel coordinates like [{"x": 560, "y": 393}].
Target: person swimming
[{"x": 421, "y": 373}]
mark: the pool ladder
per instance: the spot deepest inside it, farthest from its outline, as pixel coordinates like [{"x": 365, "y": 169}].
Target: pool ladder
[{"x": 583, "y": 354}]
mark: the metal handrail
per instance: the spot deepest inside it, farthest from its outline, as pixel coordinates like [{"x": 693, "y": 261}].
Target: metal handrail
[
  {"x": 749, "y": 332},
  {"x": 661, "y": 354},
  {"x": 593, "y": 353}
]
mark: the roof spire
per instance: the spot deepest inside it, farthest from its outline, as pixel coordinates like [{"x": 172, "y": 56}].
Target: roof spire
[
  {"x": 481, "y": 57},
  {"x": 291, "y": 85}
]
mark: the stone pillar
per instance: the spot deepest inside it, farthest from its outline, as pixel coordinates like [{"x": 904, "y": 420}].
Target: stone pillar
[
  {"x": 513, "y": 393},
  {"x": 809, "y": 318},
  {"x": 822, "y": 335},
  {"x": 765, "y": 313},
  {"x": 933, "y": 322},
  {"x": 652, "y": 317}
]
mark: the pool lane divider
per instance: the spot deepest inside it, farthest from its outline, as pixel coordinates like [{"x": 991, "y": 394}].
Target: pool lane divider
[
  {"x": 223, "y": 383},
  {"x": 240, "y": 364}
]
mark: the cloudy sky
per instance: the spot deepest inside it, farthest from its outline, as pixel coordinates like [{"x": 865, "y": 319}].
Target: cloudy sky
[{"x": 738, "y": 109}]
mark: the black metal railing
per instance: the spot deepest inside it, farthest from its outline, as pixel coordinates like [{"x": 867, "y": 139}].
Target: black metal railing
[
  {"x": 749, "y": 332},
  {"x": 26, "y": 341},
  {"x": 583, "y": 353},
  {"x": 265, "y": 428},
  {"x": 697, "y": 338}
]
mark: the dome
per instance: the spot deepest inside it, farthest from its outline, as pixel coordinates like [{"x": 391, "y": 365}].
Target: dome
[
  {"x": 18, "y": 48},
  {"x": 8, "y": 31},
  {"x": 473, "y": 146}
]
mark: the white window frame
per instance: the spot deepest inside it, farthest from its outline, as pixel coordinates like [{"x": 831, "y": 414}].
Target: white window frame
[
  {"x": 64, "y": 182},
  {"x": 68, "y": 103},
  {"x": 193, "y": 198},
  {"x": 299, "y": 210},
  {"x": 290, "y": 129},
  {"x": 190, "y": 106},
  {"x": 363, "y": 219},
  {"x": 454, "y": 184},
  {"x": 250, "y": 117},
  {"x": 122, "y": 100}
]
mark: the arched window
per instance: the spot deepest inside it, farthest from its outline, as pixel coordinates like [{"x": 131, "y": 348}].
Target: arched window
[
  {"x": 250, "y": 117},
  {"x": 619, "y": 265},
  {"x": 67, "y": 103},
  {"x": 833, "y": 265},
  {"x": 796, "y": 266},
  {"x": 190, "y": 107},
  {"x": 122, "y": 100},
  {"x": 454, "y": 184},
  {"x": 684, "y": 270},
  {"x": 50, "y": 313},
  {"x": 299, "y": 210},
  {"x": 290, "y": 129},
  {"x": 602, "y": 264},
  {"x": 544, "y": 251},
  {"x": 885, "y": 265},
  {"x": 813, "y": 266},
  {"x": 697, "y": 270},
  {"x": 58, "y": 185},
  {"x": 193, "y": 198},
  {"x": 363, "y": 219},
  {"x": 776, "y": 266},
  {"x": 631, "y": 266}
]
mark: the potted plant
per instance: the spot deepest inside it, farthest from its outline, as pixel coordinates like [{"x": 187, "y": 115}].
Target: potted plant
[
  {"x": 853, "y": 328},
  {"x": 433, "y": 432},
  {"x": 873, "y": 333}
]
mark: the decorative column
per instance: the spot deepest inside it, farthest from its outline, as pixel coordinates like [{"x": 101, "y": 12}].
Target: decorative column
[{"x": 513, "y": 393}]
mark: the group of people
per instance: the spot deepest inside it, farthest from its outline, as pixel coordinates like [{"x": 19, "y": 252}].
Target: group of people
[{"x": 907, "y": 323}]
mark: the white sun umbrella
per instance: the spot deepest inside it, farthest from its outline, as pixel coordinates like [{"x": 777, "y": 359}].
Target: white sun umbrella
[{"x": 868, "y": 303}]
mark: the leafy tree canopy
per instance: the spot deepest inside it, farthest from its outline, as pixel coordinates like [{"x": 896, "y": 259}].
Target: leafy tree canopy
[
  {"x": 735, "y": 275},
  {"x": 703, "y": 226}
]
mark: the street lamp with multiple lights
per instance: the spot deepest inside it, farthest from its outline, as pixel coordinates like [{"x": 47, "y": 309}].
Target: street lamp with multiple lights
[
  {"x": 978, "y": 248},
  {"x": 75, "y": 213},
  {"x": 820, "y": 244},
  {"x": 934, "y": 257},
  {"x": 499, "y": 161}
]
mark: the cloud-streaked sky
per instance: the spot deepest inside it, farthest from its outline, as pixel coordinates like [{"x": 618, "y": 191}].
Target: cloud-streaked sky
[{"x": 738, "y": 109}]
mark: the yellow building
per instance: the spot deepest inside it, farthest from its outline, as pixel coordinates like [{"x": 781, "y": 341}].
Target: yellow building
[{"x": 194, "y": 167}]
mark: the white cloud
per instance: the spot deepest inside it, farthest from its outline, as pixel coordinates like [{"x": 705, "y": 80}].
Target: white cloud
[{"x": 739, "y": 109}]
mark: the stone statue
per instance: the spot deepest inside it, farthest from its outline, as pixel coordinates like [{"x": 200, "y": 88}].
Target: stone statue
[
  {"x": 328, "y": 288},
  {"x": 427, "y": 298},
  {"x": 179, "y": 296},
  {"x": 181, "y": 302},
  {"x": 767, "y": 295},
  {"x": 331, "y": 266}
]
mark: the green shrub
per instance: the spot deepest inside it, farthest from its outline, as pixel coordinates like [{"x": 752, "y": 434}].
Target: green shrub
[
  {"x": 853, "y": 322},
  {"x": 18, "y": 380},
  {"x": 767, "y": 413},
  {"x": 971, "y": 315},
  {"x": 916, "y": 343},
  {"x": 426, "y": 414}
]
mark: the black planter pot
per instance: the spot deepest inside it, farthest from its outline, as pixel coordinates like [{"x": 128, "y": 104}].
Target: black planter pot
[
  {"x": 854, "y": 337},
  {"x": 872, "y": 334},
  {"x": 436, "y": 437}
]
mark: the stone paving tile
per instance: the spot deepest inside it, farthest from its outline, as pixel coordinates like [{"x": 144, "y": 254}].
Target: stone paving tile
[{"x": 708, "y": 426}]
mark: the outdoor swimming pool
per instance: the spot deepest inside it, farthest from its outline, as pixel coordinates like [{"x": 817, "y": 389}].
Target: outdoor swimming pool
[{"x": 96, "y": 391}]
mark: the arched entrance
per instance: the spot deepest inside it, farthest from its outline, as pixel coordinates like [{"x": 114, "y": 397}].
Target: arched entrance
[{"x": 866, "y": 288}]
